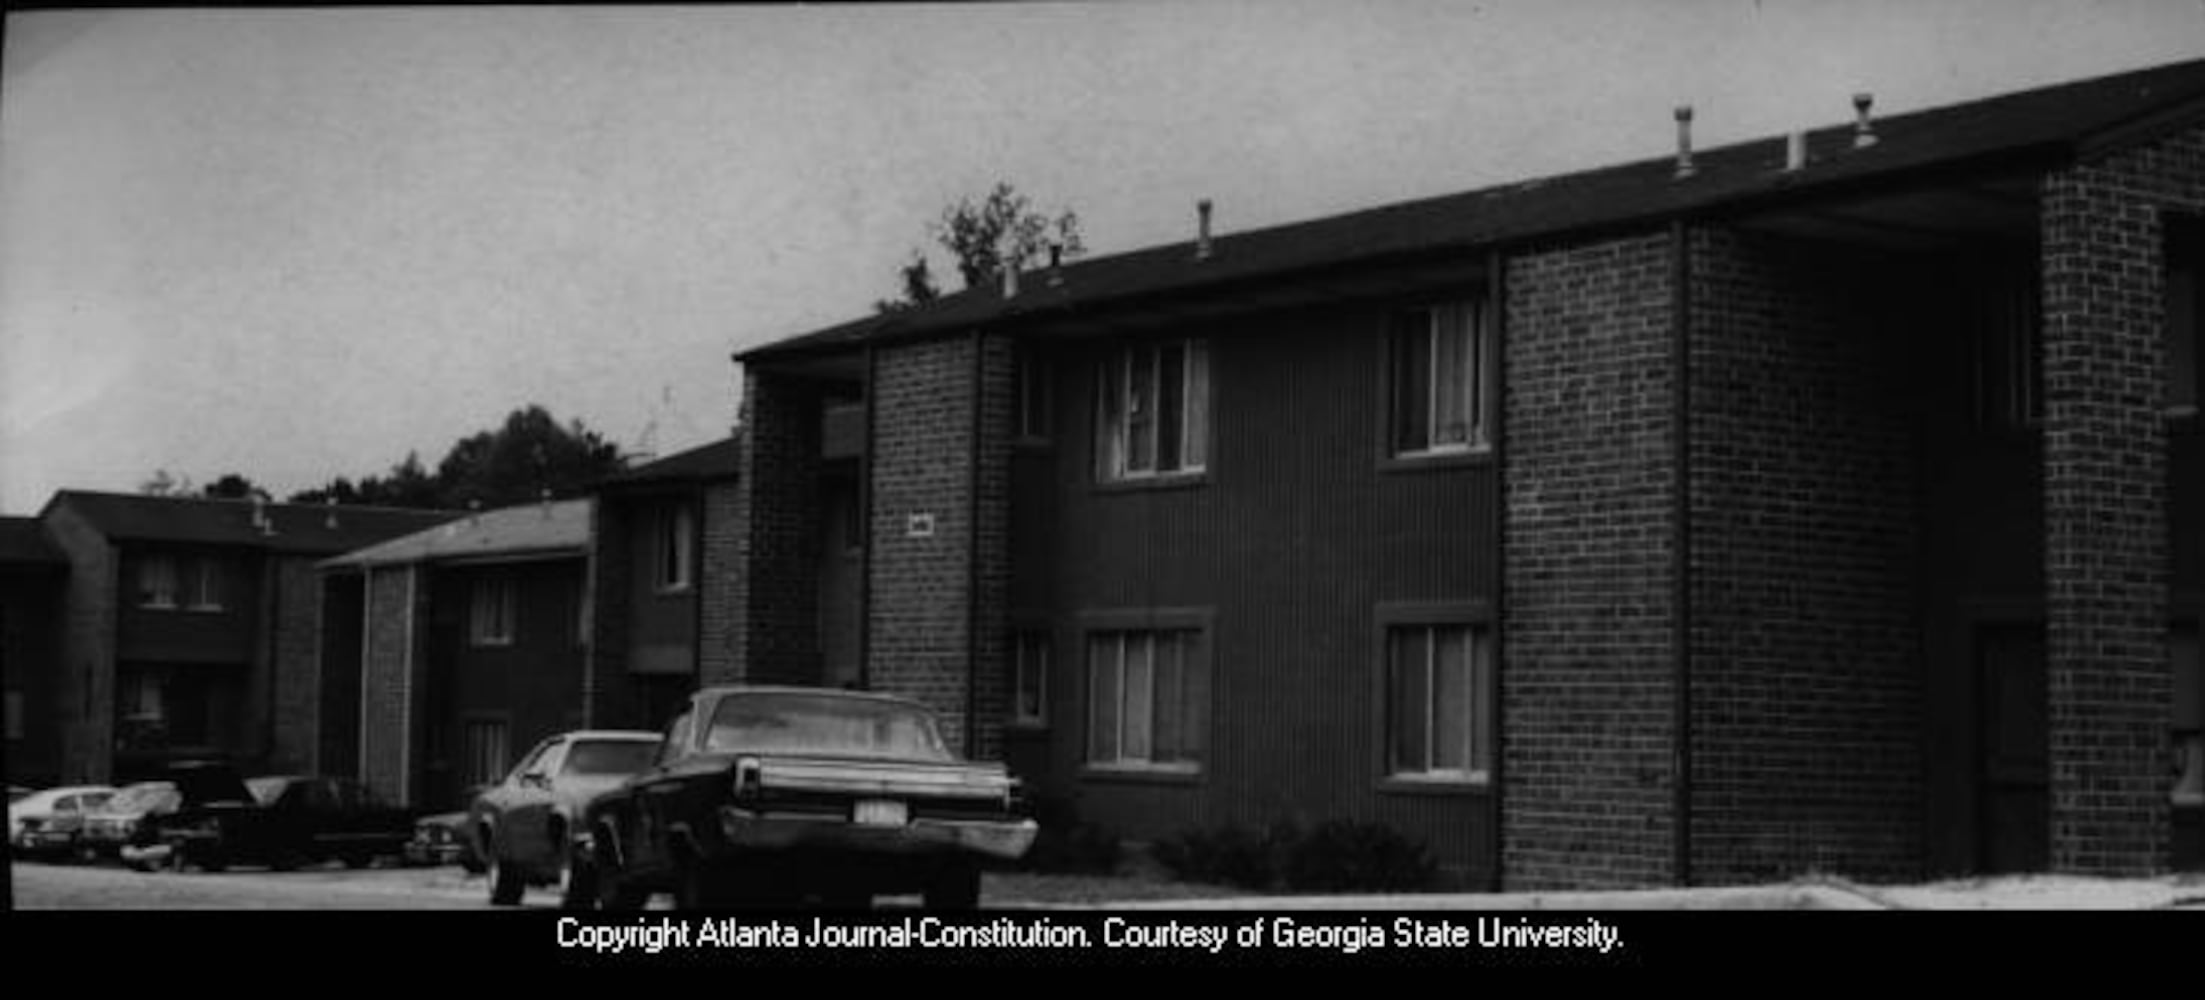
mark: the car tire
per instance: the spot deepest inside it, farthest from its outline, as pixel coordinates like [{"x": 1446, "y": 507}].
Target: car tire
[
  {"x": 506, "y": 884},
  {"x": 578, "y": 886},
  {"x": 955, "y": 887}
]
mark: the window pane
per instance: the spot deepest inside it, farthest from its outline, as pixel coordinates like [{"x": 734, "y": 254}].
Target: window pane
[
  {"x": 2183, "y": 315},
  {"x": 1451, "y": 700},
  {"x": 1110, "y": 418},
  {"x": 1481, "y": 367},
  {"x": 1481, "y": 701},
  {"x": 1196, "y": 452},
  {"x": 1139, "y": 700},
  {"x": 1102, "y": 697},
  {"x": 2189, "y": 686},
  {"x": 1410, "y": 702},
  {"x": 1170, "y": 707},
  {"x": 1171, "y": 392},
  {"x": 1412, "y": 383},
  {"x": 1451, "y": 376},
  {"x": 1141, "y": 410}
]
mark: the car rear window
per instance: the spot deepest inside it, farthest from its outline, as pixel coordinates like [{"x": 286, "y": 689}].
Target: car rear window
[
  {"x": 151, "y": 796},
  {"x": 824, "y": 724},
  {"x": 608, "y": 757}
]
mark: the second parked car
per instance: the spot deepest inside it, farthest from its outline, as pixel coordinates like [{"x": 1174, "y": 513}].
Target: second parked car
[{"x": 525, "y": 825}]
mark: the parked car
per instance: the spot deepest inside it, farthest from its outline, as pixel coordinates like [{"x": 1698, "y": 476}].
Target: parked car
[
  {"x": 292, "y": 820},
  {"x": 46, "y": 823},
  {"x": 783, "y": 793},
  {"x": 209, "y": 797},
  {"x": 116, "y": 823},
  {"x": 524, "y": 826},
  {"x": 444, "y": 839},
  {"x": 17, "y": 793}
]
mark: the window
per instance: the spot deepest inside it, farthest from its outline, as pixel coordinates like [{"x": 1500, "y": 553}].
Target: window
[
  {"x": 1438, "y": 717},
  {"x": 2005, "y": 341},
  {"x": 15, "y": 716},
  {"x": 483, "y": 748},
  {"x": 1030, "y": 678},
  {"x": 1152, "y": 411},
  {"x": 676, "y": 742},
  {"x": 203, "y": 584},
  {"x": 1441, "y": 381},
  {"x": 157, "y": 582},
  {"x": 675, "y": 546},
  {"x": 490, "y": 621},
  {"x": 1032, "y": 395},
  {"x": 1146, "y": 694},
  {"x": 2185, "y": 259}
]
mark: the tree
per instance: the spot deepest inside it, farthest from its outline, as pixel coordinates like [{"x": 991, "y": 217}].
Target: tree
[
  {"x": 1000, "y": 230},
  {"x": 164, "y": 485},
  {"x": 233, "y": 486},
  {"x": 529, "y": 454}
]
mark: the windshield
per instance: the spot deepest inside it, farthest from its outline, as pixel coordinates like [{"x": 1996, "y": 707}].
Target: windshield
[
  {"x": 824, "y": 723},
  {"x": 150, "y": 796},
  {"x": 266, "y": 790},
  {"x": 609, "y": 756}
]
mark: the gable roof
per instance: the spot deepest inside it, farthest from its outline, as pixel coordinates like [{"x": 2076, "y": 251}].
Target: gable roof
[
  {"x": 304, "y": 529},
  {"x": 23, "y": 542},
  {"x": 2047, "y": 124},
  {"x": 705, "y": 463},
  {"x": 507, "y": 534}
]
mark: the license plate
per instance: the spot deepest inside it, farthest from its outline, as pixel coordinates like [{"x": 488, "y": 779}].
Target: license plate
[{"x": 879, "y": 812}]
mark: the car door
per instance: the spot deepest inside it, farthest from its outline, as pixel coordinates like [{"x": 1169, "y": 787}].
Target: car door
[
  {"x": 525, "y": 830},
  {"x": 655, "y": 801},
  {"x": 491, "y": 807}
]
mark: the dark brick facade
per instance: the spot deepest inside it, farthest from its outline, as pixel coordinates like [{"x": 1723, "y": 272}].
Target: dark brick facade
[
  {"x": 719, "y": 580},
  {"x": 390, "y": 706},
  {"x": 2106, "y": 520},
  {"x": 927, "y": 568},
  {"x": 295, "y": 644},
  {"x": 774, "y": 600},
  {"x": 1587, "y": 618},
  {"x": 1805, "y": 683},
  {"x": 85, "y": 697}
]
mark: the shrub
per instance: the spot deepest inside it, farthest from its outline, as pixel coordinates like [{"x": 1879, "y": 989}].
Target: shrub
[
  {"x": 1346, "y": 856},
  {"x": 1068, "y": 844}
]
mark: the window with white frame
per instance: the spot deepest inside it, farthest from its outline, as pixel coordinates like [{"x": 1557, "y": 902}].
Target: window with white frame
[
  {"x": 1152, "y": 410},
  {"x": 490, "y": 618},
  {"x": 1146, "y": 695},
  {"x": 1440, "y": 381},
  {"x": 1031, "y": 377},
  {"x": 202, "y": 584},
  {"x": 1030, "y": 677},
  {"x": 675, "y": 547},
  {"x": 1438, "y": 711},
  {"x": 157, "y": 581}
]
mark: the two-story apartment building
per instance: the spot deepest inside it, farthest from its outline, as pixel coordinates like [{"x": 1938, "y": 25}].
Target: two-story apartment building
[
  {"x": 463, "y": 645},
  {"x": 32, "y": 574},
  {"x": 184, "y": 625},
  {"x": 1830, "y": 501}
]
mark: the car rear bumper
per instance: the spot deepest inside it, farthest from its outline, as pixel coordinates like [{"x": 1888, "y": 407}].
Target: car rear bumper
[{"x": 743, "y": 829}]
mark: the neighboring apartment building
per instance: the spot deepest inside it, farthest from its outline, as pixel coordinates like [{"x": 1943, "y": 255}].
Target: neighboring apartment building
[
  {"x": 663, "y": 568},
  {"x": 32, "y": 574},
  {"x": 183, "y": 625},
  {"x": 1827, "y": 502},
  {"x": 465, "y": 644}
]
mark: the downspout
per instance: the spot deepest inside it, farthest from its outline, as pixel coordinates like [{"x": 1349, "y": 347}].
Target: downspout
[
  {"x": 1680, "y": 443},
  {"x": 972, "y": 554},
  {"x": 865, "y": 522}
]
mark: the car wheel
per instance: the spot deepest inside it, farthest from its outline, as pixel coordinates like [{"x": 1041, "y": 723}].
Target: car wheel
[
  {"x": 506, "y": 884},
  {"x": 955, "y": 887}
]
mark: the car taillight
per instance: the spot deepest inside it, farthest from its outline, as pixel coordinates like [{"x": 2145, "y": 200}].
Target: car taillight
[{"x": 749, "y": 778}]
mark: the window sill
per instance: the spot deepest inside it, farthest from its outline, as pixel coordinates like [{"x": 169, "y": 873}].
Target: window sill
[
  {"x": 1437, "y": 460},
  {"x": 207, "y": 609},
  {"x": 1142, "y": 775},
  {"x": 490, "y": 643},
  {"x": 1165, "y": 481},
  {"x": 1400, "y": 784},
  {"x": 677, "y": 590},
  {"x": 157, "y": 606}
]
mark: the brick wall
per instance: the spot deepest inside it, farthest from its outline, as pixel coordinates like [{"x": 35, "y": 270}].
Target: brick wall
[
  {"x": 604, "y": 689},
  {"x": 397, "y": 633},
  {"x": 775, "y": 626},
  {"x": 719, "y": 578},
  {"x": 920, "y": 628},
  {"x": 2105, "y": 459},
  {"x": 85, "y": 694},
  {"x": 296, "y": 670},
  {"x": 1805, "y": 684},
  {"x": 1586, "y": 622}
]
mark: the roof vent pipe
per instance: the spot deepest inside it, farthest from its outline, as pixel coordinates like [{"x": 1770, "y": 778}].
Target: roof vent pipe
[
  {"x": 1056, "y": 264},
  {"x": 1864, "y": 134},
  {"x": 1202, "y": 247},
  {"x": 330, "y": 522},
  {"x": 1010, "y": 279},
  {"x": 1795, "y": 151},
  {"x": 1684, "y": 141}
]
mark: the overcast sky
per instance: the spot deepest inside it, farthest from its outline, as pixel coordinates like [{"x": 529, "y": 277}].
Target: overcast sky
[{"x": 298, "y": 244}]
